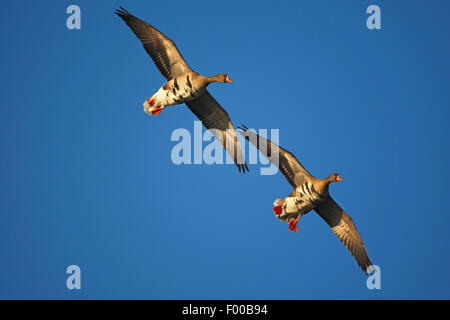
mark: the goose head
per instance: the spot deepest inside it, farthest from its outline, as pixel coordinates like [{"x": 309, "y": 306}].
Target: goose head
[
  {"x": 334, "y": 177},
  {"x": 222, "y": 77}
]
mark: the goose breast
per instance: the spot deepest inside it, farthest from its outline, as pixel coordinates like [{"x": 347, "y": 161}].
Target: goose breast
[
  {"x": 306, "y": 197},
  {"x": 179, "y": 90}
]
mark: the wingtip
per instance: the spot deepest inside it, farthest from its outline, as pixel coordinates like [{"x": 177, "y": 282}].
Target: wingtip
[
  {"x": 122, "y": 12},
  {"x": 243, "y": 128},
  {"x": 242, "y": 168},
  {"x": 365, "y": 266}
]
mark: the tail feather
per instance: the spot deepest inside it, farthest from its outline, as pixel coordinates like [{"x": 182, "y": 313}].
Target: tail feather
[
  {"x": 278, "y": 201},
  {"x": 280, "y": 207}
]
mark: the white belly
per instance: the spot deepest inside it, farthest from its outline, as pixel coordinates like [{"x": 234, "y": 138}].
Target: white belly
[{"x": 176, "y": 91}]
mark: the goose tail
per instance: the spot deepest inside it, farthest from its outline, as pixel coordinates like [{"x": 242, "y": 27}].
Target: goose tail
[{"x": 151, "y": 107}]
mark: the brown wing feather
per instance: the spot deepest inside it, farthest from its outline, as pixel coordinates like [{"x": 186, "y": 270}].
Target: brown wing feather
[
  {"x": 213, "y": 116},
  {"x": 161, "y": 49},
  {"x": 344, "y": 228},
  {"x": 286, "y": 162}
]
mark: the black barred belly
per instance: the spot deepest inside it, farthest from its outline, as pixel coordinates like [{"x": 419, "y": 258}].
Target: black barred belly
[
  {"x": 179, "y": 90},
  {"x": 307, "y": 198}
]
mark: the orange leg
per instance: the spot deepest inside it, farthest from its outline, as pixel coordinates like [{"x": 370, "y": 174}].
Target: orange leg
[
  {"x": 293, "y": 224},
  {"x": 157, "y": 110}
]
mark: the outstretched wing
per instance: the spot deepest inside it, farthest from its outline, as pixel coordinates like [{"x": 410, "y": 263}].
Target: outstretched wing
[
  {"x": 161, "y": 49},
  {"x": 291, "y": 168},
  {"x": 344, "y": 228},
  {"x": 216, "y": 119}
]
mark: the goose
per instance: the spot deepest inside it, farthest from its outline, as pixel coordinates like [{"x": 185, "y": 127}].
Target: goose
[
  {"x": 309, "y": 193},
  {"x": 184, "y": 86}
]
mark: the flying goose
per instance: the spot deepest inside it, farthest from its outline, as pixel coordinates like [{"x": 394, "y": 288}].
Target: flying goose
[
  {"x": 184, "y": 86},
  {"x": 309, "y": 194}
]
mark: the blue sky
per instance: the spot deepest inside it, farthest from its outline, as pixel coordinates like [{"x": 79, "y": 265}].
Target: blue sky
[{"x": 87, "y": 178}]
